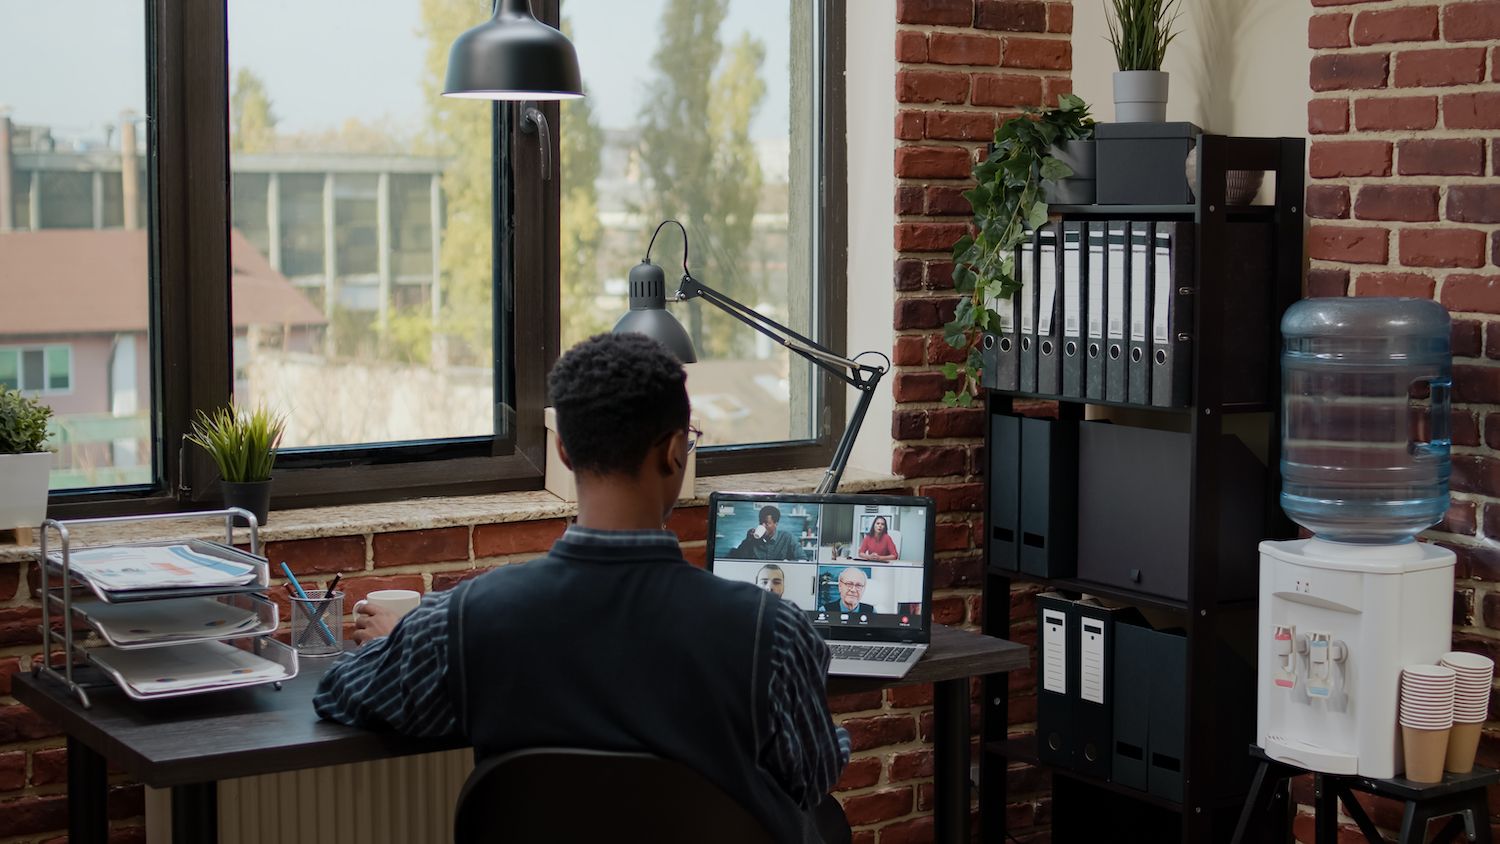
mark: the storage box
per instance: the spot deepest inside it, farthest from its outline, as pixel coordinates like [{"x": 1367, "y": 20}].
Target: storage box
[
  {"x": 559, "y": 478},
  {"x": 1144, "y": 163}
]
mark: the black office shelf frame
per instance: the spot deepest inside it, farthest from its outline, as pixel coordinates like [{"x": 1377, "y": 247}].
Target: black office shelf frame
[{"x": 1201, "y": 612}]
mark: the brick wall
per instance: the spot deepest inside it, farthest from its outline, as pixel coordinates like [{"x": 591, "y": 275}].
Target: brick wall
[
  {"x": 1404, "y": 122},
  {"x": 963, "y": 67}
]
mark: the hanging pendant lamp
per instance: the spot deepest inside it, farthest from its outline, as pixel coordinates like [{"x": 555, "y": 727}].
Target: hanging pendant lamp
[{"x": 513, "y": 56}]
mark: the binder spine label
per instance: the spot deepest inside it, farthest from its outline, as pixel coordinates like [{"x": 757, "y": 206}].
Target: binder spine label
[
  {"x": 1091, "y": 660},
  {"x": 1054, "y": 651},
  {"x": 1047, "y": 285},
  {"x": 1072, "y": 285},
  {"x": 1117, "y": 285},
  {"x": 1028, "y": 293},
  {"x": 1164, "y": 290},
  {"x": 1097, "y": 289},
  {"x": 1138, "y": 288}
]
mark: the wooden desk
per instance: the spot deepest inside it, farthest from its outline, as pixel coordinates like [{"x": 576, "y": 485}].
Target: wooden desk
[{"x": 188, "y": 744}]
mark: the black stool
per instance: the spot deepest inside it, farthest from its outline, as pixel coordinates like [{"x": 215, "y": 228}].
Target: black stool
[{"x": 1459, "y": 797}]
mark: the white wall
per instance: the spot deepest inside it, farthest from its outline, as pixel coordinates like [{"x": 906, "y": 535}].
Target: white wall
[
  {"x": 870, "y": 93},
  {"x": 1238, "y": 67}
]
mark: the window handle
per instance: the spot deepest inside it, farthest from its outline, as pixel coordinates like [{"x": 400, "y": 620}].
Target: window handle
[{"x": 533, "y": 122}]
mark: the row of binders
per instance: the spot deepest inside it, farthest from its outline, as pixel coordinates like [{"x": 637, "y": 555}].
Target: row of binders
[{"x": 1104, "y": 313}]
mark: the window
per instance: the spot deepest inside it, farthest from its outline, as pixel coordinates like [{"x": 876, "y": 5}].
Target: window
[
  {"x": 384, "y": 266},
  {"x": 47, "y": 369}
]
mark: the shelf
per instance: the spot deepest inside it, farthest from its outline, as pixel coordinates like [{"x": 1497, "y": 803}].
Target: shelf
[
  {"x": 1074, "y": 584},
  {"x": 1228, "y": 409},
  {"x": 1023, "y": 749},
  {"x": 1236, "y": 213}
]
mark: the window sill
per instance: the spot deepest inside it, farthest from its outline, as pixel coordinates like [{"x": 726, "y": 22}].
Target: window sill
[{"x": 432, "y": 513}]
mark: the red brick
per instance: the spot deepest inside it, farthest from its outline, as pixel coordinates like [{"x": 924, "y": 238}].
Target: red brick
[
  {"x": 928, "y": 237},
  {"x": 32, "y": 815},
  {"x": 1471, "y": 21},
  {"x": 1378, "y": 114},
  {"x": 1476, "y": 384},
  {"x": 320, "y": 556},
  {"x": 939, "y": 275},
  {"x": 1341, "y": 159},
  {"x": 1325, "y": 282},
  {"x": 1054, "y": 87},
  {"x": 1440, "y": 157},
  {"x": 946, "y": 12},
  {"x": 956, "y": 422},
  {"x": 911, "y": 47},
  {"x": 1437, "y": 68},
  {"x": 1409, "y": 203},
  {"x": 1476, "y": 473},
  {"x": 10, "y": 580},
  {"x": 909, "y": 425},
  {"x": 907, "y": 351},
  {"x": 1317, "y": 3},
  {"x": 1365, "y": 245},
  {"x": 879, "y": 730},
  {"x": 1047, "y": 54},
  {"x": 9, "y": 667},
  {"x": 933, "y": 163},
  {"x": 908, "y": 276},
  {"x": 444, "y": 580},
  {"x": 961, "y": 126},
  {"x": 1460, "y": 518},
  {"x": 1327, "y": 117},
  {"x": 21, "y": 723},
  {"x": 1472, "y": 293},
  {"x": 1349, "y": 71},
  {"x": 909, "y": 697},
  {"x": 1474, "y": 203},
  {"x": 911, "y": 765},
  {"x": 919, "y": 386},
  {"x": 505, "y": 538},
  {"x": 931, "y": 86},
  {"x": 952, "y": 498},
  {"x": 920, "y": 831},
  {"x": 1011, "y": 15},
  {"x": 908, "y": 201},
  {"x": 359, "y": 588},
  {"x": 948, "y": 610},
  {"x": 1479, "y": 110},
  {"x": 878, "y": 806},
  {"x": 861, "y": 773},
  {"x": 929, "y": 461},
  {"x": 1007, "y": 90},
  {"x": 20, "y": 626},
  {"x": 923, "y": 313},
  {"x": 411, "y": 547},
  {"x": 1410, "y": 23},
  {"x": 951, "y": 536},
  {"x": 1492, "y": 437},
  {"x": 1060, "y": 17},
  {"x": 1328, "y": 202},
  {"x": 910, "y": 125},
  {"x": 13, "y": 771},
  {"x": 1467, "y": 341},
  {"x": 857, "y": 702},
  {"x": 49, "y": 767},
  {"x": 957, "y": 48},
  {"x": 1328, "y": 30},
  {"x": 953, "y": 572},
  {"x": 1442, "y": 248},
  {"x": 1394, "y": 284}
]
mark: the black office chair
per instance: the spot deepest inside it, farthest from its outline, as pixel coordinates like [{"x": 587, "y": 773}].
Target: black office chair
[{"x": 567, "y": 795}]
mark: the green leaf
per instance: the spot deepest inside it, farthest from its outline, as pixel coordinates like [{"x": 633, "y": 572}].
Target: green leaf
[
  {"x": 950, "y": 398},
  {"x": 1037, "y": 215},
  {"x": 950, "y": 371},
  {"x": 1054, "y": 170},
  {"x": 963, "y": 278},
  {"x": 965, "y": 399}
]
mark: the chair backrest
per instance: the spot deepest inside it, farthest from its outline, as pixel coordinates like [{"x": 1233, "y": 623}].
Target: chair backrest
[{"x": 565, "y": 795}]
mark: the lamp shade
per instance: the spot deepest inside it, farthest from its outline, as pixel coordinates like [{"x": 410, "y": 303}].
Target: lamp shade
[
  {"x": 648, "y": 313},
  {"x": 513, "y": 56}
]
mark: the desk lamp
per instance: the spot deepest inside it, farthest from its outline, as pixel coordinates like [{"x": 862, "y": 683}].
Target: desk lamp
[{"x": 648, "y": 315}]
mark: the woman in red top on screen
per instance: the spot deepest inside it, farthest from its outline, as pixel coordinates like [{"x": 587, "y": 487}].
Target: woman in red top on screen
[{"x": 877, "y": 544}]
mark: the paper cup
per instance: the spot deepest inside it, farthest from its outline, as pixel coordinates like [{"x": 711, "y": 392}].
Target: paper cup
[
  {"x": 1426, "y": 752},
  {"x": 1463, "y": 742}
]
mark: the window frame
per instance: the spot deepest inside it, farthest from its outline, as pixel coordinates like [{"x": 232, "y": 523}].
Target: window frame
[
  {"x": 190, "y": 335},
  {"x": 47, "y": 389}
]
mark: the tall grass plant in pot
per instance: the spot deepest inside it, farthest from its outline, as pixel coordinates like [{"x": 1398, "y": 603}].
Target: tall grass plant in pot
[
  {"x": 1140, "y": 31},
  {"x": 243, "y": 446},
  {"x": 25, "y": 462}
]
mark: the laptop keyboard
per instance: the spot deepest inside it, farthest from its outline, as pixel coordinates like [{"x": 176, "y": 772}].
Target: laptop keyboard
[{"x": 873, "y": 653}]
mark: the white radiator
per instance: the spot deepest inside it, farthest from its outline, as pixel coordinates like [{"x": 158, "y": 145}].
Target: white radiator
[{"x": 409, "y": 800}]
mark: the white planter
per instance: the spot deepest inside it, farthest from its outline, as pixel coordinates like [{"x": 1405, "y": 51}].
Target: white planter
[
  {"x": 1140, "y": 96},
  {"x": 23, "y": 489}
]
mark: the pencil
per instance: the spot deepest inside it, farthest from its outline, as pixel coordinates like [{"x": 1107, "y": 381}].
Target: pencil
[{"x": 292, "y": 579}]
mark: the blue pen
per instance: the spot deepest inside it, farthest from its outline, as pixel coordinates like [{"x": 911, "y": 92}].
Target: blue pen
[{"x": 292, "y": 579}]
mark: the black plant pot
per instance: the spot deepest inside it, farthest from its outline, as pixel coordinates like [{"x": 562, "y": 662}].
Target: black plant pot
[
  {"x": 1077, "y": 189},
  {"x": 254, "y": 496}
]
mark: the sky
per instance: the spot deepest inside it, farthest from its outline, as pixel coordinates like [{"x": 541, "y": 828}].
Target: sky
[{"x": 324, "y": 61}]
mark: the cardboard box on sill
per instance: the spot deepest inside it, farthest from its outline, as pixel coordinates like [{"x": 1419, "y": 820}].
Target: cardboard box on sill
[{"x": 559, "y": 478}]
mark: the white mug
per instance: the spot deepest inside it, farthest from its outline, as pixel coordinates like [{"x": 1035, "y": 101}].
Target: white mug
[{"x": 399, "y": 601}]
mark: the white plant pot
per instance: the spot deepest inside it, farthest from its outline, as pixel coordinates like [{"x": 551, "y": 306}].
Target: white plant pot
[
  {"x": 23, "y": 489},
  {"x": 1140, "y": 96}
]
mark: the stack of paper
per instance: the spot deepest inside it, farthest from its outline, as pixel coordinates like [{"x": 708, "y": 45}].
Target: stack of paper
[
  {"x": 125, "y": 568},
  {"x": 195, "y": 667},
  {"x": 169, "y": 620}
]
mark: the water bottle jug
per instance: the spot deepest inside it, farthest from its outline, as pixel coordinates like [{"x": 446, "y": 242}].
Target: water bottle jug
[{"x": 1364, "y": 426}]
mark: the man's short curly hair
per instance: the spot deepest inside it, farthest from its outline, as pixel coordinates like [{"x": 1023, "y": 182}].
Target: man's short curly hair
[{"x": 617, "y": 395}]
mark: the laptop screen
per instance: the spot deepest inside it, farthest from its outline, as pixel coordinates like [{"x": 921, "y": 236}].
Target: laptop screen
[{"x": 857, "y": 565}]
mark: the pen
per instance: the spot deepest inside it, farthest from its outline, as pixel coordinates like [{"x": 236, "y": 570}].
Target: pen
[
  {"x": 292, "y": 579},
  {"x": 322, "y": 608}
]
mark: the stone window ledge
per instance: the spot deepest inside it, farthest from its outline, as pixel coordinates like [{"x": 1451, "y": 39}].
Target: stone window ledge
[{"x": 431, "y": 513}]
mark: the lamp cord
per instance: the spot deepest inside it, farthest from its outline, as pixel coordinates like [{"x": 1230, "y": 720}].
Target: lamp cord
[{"x": 680, "y": 227}]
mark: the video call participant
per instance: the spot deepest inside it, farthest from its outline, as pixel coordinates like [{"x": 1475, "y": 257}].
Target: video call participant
[
  {"x": 532, "y": 655},
  {"x": 772, "y": 544},
  {"x": 772, "y": 578},
  {"x": 877, "y": 544},
  {"x": 851, "y": 588}
]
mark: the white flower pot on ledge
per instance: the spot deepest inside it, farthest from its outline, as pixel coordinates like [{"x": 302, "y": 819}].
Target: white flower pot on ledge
[
  {"x": 23, "y": 489},
  {"x": 1140, "y": 96}
]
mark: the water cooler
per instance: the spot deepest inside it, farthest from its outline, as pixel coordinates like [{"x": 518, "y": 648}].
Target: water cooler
[{"x": 1365, "y": 465}]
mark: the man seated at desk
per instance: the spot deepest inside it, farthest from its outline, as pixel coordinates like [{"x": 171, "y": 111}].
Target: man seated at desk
[{"x": 546, "y": 654}]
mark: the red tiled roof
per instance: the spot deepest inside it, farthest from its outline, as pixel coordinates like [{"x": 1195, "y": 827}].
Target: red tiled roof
[{"x": 86, "y": 281}]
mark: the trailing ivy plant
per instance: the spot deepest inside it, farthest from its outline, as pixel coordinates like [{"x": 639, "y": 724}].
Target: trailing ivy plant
[
  {"x": 1140, "y": 31},
  {"x": 1007, "y": 202},
  {"x": 23, "y": 423}
]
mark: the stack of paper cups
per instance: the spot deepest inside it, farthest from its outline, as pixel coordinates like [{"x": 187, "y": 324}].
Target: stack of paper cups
[
  {"x": 1426, "y": 719},
  {"x": 1471, "y": 702}
]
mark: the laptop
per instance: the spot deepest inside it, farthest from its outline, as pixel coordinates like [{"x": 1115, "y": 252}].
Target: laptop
[{"x": 859, "y": 567}]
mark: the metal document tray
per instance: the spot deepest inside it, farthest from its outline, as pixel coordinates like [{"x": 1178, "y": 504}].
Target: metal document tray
[
  {"x": 266, "y": 648},
  {"x": 267, "y": 618},
  {"x": 214, "y": 549}
]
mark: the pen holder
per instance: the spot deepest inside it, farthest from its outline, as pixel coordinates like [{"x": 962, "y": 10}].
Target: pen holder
[{"x": 318, "y": 623}]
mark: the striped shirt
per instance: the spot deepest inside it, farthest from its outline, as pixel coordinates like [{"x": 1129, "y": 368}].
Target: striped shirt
[{"x": 399, "y": 683}]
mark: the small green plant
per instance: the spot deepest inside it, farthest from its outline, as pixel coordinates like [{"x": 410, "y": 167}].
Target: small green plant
[
  {"x": 1140, "y": 31},
  {"x": 242, "y": 444},
  {"x": 1007, "y": 202},
  {"x": 23, "y": 423}
]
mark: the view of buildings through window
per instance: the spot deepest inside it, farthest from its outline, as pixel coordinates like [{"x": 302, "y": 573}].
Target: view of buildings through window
[{"x": 362, "y": 221}]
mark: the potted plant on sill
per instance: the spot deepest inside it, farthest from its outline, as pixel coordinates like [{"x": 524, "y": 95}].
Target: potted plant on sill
[
  {"x": 25, "y": 463},
  {"x": 1139, "y": 31},
  {"x": 1009, "y": 199},
  {"x": 243, "y": 446}
]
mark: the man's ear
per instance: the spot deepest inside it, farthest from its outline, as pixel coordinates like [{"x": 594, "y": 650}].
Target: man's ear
[
  {"x": 669, "y": 462},
  {"x": 562, "y": 454}
]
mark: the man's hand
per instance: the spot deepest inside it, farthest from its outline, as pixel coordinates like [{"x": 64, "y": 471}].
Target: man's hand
[{"x": 372, "y": 622}]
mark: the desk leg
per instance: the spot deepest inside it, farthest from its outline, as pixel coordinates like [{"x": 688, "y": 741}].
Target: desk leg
[
  {"x": 88, "y": 795},
  {"x": 951, "y": 774},
  {"x": 1326, "y": 811},
  {"x": 195, "y": 813}
]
